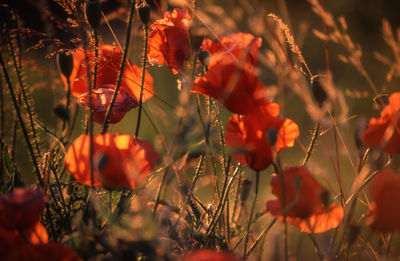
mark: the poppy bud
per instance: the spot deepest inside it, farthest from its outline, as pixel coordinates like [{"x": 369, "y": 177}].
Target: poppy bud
[
  {"x": 62, "y": 112},
  {"x": 197, "y": 32},
  {"x": 65, "y": 64},
  {"x": 144, "y": 13},
  {"x": 204, "y": 58},
  {"x": 381, "y": 100},
  {"x": 317, "y": 88},
  {"x": 93, "y": 13},
  {"x": 245, "y": 185},
  {"x": 325, "y": 197},
  {"x": 272, "y": 136}
]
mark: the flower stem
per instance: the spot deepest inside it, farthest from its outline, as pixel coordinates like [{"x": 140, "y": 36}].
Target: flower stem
[
  {"x": 312, "y": 143},
  {"x": 246, "y": 240},
  {"x": 146, "y": 38},
  {"x": 121, "y": 68}
]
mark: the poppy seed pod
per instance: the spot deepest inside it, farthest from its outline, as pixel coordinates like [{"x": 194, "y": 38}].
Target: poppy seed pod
[
  {"x": 65, "y": 63},
  {"x": 93, "y": 13},
  {"x": 381, "y": 100},
  {"x": 244, "y": 190},
  {"x": 272, "y": 136},
  {"x": 317, "y": 88},
  {"x": 144, "y": 13},
  {"x": 325, "y": 197},
  {"x": 62, "y": 112},
  {"x": 204, "y": 58}
]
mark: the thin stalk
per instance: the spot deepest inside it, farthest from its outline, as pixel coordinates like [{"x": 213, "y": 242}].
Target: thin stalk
[
  {"x": 22, "y": 124},
  {"x": 158, "y": 197},
  {"x": 27, "y": 140},
  {"x": 121, "y": 68},
  {"x": 221, "y": 203},
  {"x": 285, "y": 226},
  {"x": 68, "y": 96},
  {"x": 91, "y": 147},
  {"x": 312, "y": 143},
  {"x": 189, "y": 195},
  {"x": 23, "y": 91},
  {"x": 259, "y": 238},
  {"x": 146, "y": 39},
  {"x": 246, "y": 240}
]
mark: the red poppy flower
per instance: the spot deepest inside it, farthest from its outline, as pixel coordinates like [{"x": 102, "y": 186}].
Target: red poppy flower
[
  {"x": 385, "y": 131},
  {"x": 169, "y": 40},
  {"x": 120, "y": 160},
  {"x": 22, "y": 208},
  {"x": 101, "y": 99},
  {"x": 248, "y": 135},
  {"x": 384, "y": 214},
  {"x": 49, "y": 251},
  {"x": 210, "y": 255},
  {"x": 107, "y": 73},
  {"x": 308, "y": 213},
  {"x": 243, "y": 47}
]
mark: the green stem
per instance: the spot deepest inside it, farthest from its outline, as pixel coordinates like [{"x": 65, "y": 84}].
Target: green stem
[
  {"x": 312, "y": 143},
  {"x": 121, "y": 68},
  {"x": 26, "y": 136},
  {"x": 246, "y": 240},
  {"x": 146, "y": 39},
  {"x": 92, "y": 87}
]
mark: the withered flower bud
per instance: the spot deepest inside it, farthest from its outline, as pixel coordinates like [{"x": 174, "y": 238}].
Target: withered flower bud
[
  {"x": 93, "y": 13},
  {"x": 144, "y": 13},
  {"x": 325, "y": 197},
  {"x": 317, "y": 88},
  {"x": 197, "y": 32},
  {"x": 381, "y": 100},
  {"x": 65, "y": 63},
  {"x": 244, "y": 189},
  {"x": 204, "y": 58},
  {"x": 62, "y": 112}
]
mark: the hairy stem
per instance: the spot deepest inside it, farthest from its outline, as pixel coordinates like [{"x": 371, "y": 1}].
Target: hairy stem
[
  {"x": 146, "y": 38},
  {"x": 121, "y": 68}
]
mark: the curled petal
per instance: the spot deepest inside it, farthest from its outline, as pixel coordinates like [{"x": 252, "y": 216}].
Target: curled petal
[{"x": 101, "y": 99}]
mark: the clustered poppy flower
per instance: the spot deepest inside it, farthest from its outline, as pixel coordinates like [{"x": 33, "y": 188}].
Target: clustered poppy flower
[
  {"x": 22, "y": 236},
  {"x": 384, "y": 214},
  {"x": 109, "y": 62},
  {"x": 210, "y": 255},
  {"x": 231, "y": 77},
  {"x": 169, "y": 40},
  {"x": 385, "y": 131},
  {"x": 120, "y": 160},
  {"x": 308, "y": 213},
  {"x": 249, "y": 136}
]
